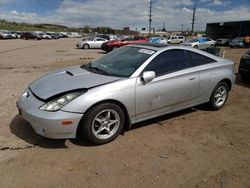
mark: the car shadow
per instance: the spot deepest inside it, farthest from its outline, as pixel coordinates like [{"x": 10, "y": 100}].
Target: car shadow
[
  {"x": 239, "y": 81},
  {"x": 23, "y": 130},
  {"x": 160, "y": 120},
  {"x": 102, "y": 52}
]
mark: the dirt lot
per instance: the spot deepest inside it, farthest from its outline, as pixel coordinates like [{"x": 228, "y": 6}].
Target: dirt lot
[{"x": 193, "y": 148}]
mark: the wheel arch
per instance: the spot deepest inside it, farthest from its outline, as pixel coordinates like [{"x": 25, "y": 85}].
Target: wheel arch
[
  {"x": 85, "y": 44},
  {"x": 228, "y": 82},
  {"x": 120, "y": 104}
]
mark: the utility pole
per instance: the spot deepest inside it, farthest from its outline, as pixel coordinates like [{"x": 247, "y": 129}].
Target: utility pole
[
  {"x": 150, "y": 16},
  {"x": 193, "y": 19},
  {"x": 182, "y": 27},
  {"x": 164, "y": 27}
]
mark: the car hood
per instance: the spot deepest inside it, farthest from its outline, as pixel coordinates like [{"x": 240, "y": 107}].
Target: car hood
[{"x": 68, "y": 79}]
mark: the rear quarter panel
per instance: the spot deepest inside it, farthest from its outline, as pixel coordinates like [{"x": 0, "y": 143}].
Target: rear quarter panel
[{"x": 213, "y": 73}]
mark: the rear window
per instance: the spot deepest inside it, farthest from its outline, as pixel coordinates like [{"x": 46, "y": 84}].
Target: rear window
[{"x": 198, "y": 59}]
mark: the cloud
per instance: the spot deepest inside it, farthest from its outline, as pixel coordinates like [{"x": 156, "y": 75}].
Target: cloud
[
  {"x": 3, "y": 1},
  {"x": 133, "y": 13},
  {"x": 217, "y": 2}
]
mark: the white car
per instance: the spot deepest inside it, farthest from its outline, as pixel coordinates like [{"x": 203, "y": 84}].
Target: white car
[
  {"x": 176, "y": 39},
  {"x": 91, "y": 42},
  {"x": 5, "y": 35},
  {"x": 200, "y": 43},
  {"x": 43, "y": 35}
]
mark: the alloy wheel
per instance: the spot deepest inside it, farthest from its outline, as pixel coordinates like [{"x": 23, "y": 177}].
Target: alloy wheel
[{"x": 105, "y": 124}]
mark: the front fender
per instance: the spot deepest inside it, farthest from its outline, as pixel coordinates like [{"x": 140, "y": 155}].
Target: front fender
[{"x": 122, "y": 91}]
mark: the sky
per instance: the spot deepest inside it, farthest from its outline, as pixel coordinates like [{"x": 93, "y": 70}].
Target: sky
[{"x": 125, "y": 13}]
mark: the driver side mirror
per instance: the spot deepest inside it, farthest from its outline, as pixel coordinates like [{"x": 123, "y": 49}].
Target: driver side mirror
[{"x": 148, "y": 76}]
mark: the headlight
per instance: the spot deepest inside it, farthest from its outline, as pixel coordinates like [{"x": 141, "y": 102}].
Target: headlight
[{"x": 61, "y": 101}]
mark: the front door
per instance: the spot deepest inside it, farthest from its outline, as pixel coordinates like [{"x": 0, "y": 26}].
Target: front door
[{"x": 174, "y": 87}]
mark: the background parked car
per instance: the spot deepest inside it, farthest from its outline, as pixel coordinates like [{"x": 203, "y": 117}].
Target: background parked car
[
  {"x": 237, "y": 42},
  {"x": 244, "y": 67},
  {"x": 222, "y": 42},
  {"x": 29, "y": 35},
  {"x": 6, "y": 35},
  {"x": 107, "y": 37},
  {"x": 54, "y": 35},
  {"x": 114, "y": 44},
  {"x": 200, "y": 43},
  {"x": 43, "y": 35},
  {"x": 176, "y": 39},
  {"x": 159, "y": 40},
  {"x": 91, "y": 42}
]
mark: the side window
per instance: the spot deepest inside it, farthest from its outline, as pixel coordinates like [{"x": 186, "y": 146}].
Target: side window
[
  {"x": 129, "y": 38},
  {"x": 136, "y": 38},
  {"x": 198, "y": 59},
  {"x": 168, "y": 61},
  {"x": 99, "y": 39}
]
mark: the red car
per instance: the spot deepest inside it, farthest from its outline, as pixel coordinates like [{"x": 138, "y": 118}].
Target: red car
[{"x": 114, "y": 44}]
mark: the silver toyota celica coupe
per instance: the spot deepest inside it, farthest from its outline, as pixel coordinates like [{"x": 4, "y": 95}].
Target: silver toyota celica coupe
[{"x": 131, "y": 84}]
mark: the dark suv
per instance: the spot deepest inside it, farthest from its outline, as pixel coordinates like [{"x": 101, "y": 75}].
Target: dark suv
[
  {"x": 244, "y": 67},
  {"x": 29, "y": 35}
]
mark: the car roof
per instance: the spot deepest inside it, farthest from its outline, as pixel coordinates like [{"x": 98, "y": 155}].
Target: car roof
[
  {"x": 152, "y": 46},
  {"x": 158, "y": 47}
]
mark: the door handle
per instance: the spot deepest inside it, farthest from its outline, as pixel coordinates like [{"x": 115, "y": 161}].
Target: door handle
[{"x": 193, "y": 78}]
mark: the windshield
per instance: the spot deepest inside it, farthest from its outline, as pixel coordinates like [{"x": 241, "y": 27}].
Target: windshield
[
  {"x": 122, "y": 62},
  {"x": 238, "y": 39},
  {"x": 88, "y": 38}
]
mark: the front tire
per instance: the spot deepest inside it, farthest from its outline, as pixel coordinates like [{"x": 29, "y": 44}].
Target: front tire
[
  {"x": 114, "y": 48},
  {"x": 219, "y": 96},
  {"x": 103, "y": 123},
  {"x": 85, "y": 46}
]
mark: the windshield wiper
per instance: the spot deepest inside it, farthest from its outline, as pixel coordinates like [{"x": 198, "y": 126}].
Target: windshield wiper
[{"x": 96, "y": 69}]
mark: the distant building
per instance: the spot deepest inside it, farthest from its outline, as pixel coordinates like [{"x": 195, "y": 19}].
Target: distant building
[{"x": 228, "y": 29}]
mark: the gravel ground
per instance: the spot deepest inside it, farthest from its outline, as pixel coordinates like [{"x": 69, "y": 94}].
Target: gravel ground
[{"x": 192, "y": 148}]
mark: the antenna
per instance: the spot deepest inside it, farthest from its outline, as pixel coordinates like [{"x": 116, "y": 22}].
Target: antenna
[{"x": 150, "y": 16}]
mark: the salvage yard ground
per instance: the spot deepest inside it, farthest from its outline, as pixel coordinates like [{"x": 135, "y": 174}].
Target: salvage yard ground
[{"x": 192, "y": 148}]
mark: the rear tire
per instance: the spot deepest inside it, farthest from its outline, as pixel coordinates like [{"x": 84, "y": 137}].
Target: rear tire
[
  {"x": 102, "y": 123},
  {"x": 219, "y": 96}
]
